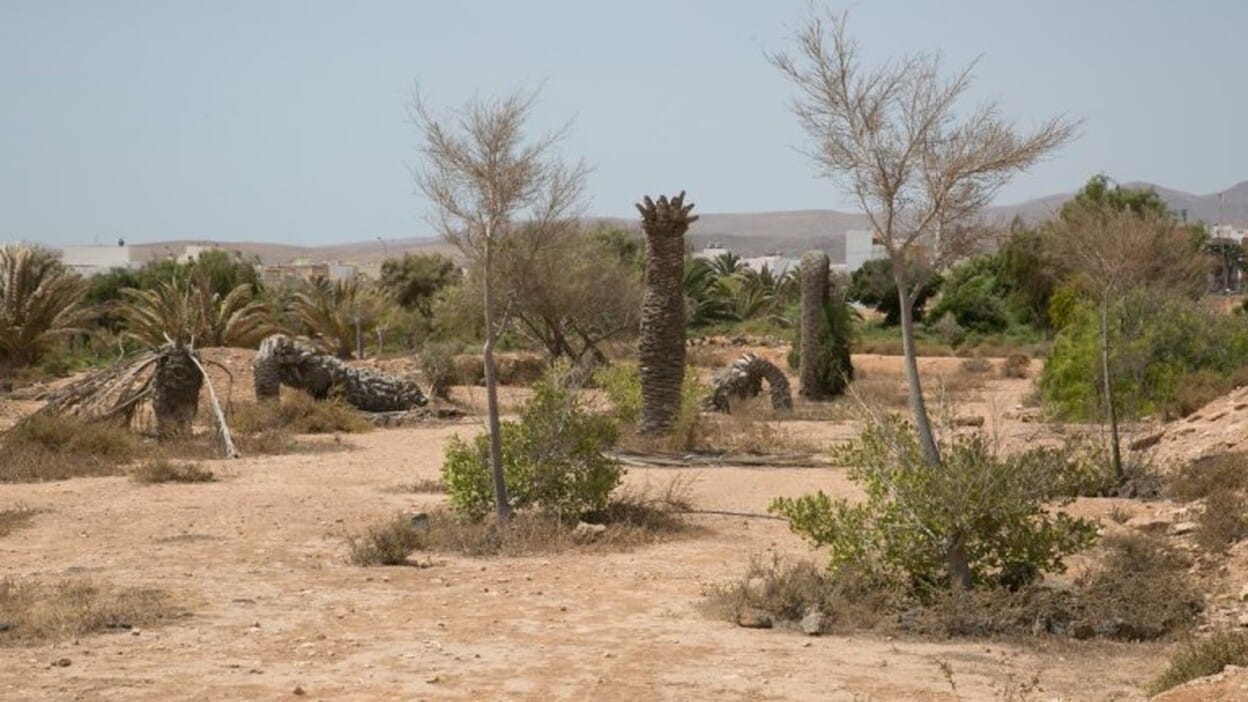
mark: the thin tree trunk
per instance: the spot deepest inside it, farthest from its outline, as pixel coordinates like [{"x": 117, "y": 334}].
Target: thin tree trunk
[
  {"x": 922, "y": 422},
  {"x": 957, "y": 565},
  {"x": 501, "y": 505},
  {"x": 1111, "y": 412}
]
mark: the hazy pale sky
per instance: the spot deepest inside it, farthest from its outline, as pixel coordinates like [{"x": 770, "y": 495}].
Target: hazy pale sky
[{"x": 286, "y": 121}]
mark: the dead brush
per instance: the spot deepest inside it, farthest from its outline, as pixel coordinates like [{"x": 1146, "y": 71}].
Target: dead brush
[
  {"x": 1203, "y": 657},
  {"x": 633, "y": 518},
  {"x": 387, "y": 542},
  {"x": 164, "y": 471},
  {"x": 58, "y": 448},
  {"x": 36, "y": 611},
  {"x": 1140, "y": 591},
  {"x": 752, "y": 427},
  {"x": 298, "y": 413},
  {"x": 787, "y": 591}
]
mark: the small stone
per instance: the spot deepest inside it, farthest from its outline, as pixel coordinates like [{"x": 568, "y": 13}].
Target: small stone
[
  {"x": 433, "y": 679},
  {"x": 1183, "y": 528},
  {"x": 62, "y": 663},
  {"x": 1243, "y": 593},
  {"x": 1243, "y": 619},
  {"x": 752, "y": 618},
  {"x": 298, "y": 691},
  {"x": 812, "y": 623}
]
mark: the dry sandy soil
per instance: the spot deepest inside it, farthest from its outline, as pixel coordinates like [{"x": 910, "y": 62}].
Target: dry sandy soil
[{"x": 258, "y": 562}]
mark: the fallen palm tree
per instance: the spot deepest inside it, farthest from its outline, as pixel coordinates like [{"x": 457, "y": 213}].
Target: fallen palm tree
[
  {"x": 168, "y": 377},
  {"x": 290, "y": 362},
  {"x": 744, "y": 379}
]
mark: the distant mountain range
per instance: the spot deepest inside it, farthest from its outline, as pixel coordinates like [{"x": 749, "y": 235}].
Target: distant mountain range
[{"x": 747, "y": 233}]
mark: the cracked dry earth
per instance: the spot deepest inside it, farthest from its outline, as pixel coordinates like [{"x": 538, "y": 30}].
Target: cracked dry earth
[{"x": 257, "y": 560}]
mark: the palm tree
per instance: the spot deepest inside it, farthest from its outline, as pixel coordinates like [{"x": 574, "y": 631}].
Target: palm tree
[
  {"x": 662, "y": 346},
  {"x": 706, "y": 300},
  {"x": 187, "y": 312},
  {"x": 40, "y": 303},
  {"x": 726, "y": 264},
  {"x": 339, "y": 314}
]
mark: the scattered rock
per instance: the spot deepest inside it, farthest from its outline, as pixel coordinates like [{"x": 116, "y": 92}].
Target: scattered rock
[
  {"x": 812, "y": 623},
  {"x": 1183, "y": 528},
  {"x": 752, "y": 618},
  {"x": 1146, "y": 441},
  {"x": 1148, "y": 523}
]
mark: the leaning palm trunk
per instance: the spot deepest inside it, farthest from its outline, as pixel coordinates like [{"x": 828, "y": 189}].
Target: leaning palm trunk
[
  {"x": 286, "y": 361},
  {"x": 662, "y": 347}
]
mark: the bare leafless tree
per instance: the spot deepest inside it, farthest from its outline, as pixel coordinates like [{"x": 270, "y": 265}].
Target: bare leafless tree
[
  {"x": 484, "y": 177},
  {"x": 1113, "y": 251},
  {"x": 892, "y": 137}
]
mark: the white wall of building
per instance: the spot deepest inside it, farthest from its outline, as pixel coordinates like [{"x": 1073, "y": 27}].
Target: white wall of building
[{"x": 90, "y": 260}]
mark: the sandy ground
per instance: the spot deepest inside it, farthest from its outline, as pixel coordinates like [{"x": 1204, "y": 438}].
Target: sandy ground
[{"x": 258, "y": 561}]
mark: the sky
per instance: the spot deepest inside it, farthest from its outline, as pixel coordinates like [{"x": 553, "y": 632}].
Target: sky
[{"x": 287, "y": 121}]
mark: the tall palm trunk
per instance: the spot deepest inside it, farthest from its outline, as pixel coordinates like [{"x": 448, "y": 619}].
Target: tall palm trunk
[
  {"x": 813, "y": 380},
  {"x": 175, "y": 391},
  {"x": 662, "y": 346}
]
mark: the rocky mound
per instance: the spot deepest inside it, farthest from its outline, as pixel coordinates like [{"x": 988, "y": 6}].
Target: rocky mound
[{"x": 1219, "y": 427}]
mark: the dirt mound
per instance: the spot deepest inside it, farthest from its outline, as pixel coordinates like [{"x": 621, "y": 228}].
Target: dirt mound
[{"x": 1218, "y": 427}]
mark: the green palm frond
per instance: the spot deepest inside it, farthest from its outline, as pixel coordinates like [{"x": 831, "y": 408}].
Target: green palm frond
[{"x": 40, "y": 303}]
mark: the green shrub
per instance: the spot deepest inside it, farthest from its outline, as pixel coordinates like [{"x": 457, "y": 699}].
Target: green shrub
[
  {"x": 974, "y": 297},
  {"x": 1168, "y": 356},
  {"x": 1200, "y": 658},
  {"x": 996, "y": 508},
  {"x": 621, "y": 383},
  {"x": 553, "y": 458},
  {"x": 437, "y": 364}
]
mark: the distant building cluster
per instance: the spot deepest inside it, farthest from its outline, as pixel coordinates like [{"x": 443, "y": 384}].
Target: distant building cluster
[
  {"x": 860, "y": 246},
  {"x": 93, "y": 260}
]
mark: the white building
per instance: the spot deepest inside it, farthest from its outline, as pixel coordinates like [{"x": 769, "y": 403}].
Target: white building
[
  {"x": 860, "y": 247},
  {"x": 92, "y": 260}
]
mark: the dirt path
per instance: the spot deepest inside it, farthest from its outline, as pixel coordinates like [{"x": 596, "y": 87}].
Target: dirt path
[{"x": 258, "y": 560}]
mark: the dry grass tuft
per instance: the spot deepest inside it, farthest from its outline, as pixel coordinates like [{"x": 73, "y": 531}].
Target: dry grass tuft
[
  {"x": 15, "y": 518},
  {"x": 34, "y": 612},
  {"x": 1200, "y": 658},
  {"x": 386, "y": 543},
  {"x": 1016, "y": 365},
  {"x": 632, "y": 519},
  {"x": 1209, "y": 475},
  {"x": 423, "y": 486},
  {"x": 57, "y": 448},
  {"x": 1141, "y": 590},
  {"x": 298, "y": 413},
  {"x": 165, "y": 471}
]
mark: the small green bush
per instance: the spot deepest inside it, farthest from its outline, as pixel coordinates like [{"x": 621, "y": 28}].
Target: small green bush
[
  {"x": 553, "y": 458},
  {"x": 1201, "y": 658},
  {"x": 621, "y": 383},
  {"x": 998, "y": 509}
]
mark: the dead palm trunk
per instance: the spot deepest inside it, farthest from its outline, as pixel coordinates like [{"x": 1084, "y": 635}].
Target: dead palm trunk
[
  {"x": 175, "y": 392},
  {"x": 285, "y": 361},
  {"x": 813, "y": 381},
  {"x": 662, "y": 346}
]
